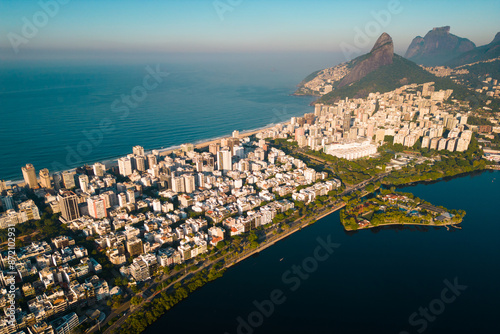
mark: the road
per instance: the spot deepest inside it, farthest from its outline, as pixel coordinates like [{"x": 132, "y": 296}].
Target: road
[{"x": 270, "y": 240}]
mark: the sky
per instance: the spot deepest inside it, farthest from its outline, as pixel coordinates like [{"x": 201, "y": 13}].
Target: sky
[{"x": 106, "y": 28}]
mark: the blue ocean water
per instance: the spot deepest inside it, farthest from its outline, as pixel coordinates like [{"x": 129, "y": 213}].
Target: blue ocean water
[
  {"x": 60, "y": 117},
  {"x": 372, "y": 283}
]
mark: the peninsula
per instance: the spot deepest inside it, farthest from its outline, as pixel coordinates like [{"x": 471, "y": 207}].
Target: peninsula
[
  {"x": 127, "y": 240},
  {"x": 393, "y": 208}
]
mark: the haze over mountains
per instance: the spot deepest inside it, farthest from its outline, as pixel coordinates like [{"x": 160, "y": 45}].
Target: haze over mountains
[
  {"x": 437, "y": 47},
  {"x": 481, "y": 53},
  {"x": 381, "y": 70}
]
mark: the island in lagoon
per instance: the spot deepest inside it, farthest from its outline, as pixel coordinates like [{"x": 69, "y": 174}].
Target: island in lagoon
[{"x": 389, "y": 207}]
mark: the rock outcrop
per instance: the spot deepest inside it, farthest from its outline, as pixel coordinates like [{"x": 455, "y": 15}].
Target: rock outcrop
[
  {"x": 437, "y": 47},
  {"x": 380, "y": 55}
]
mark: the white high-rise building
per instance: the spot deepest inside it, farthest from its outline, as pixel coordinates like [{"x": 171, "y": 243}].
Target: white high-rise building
[
  {"x": 201, "y": 180},
  {"x": 138, "y": 150},
  {"x": 156, "y": 205},
  {"x": 426, "y": 141},
  {"x": 125, "y": 166},
  {"x": 462, "y": 144},
  {"x": 178, "y": 184},
  {"x": 122, "y": 200},
  {"x": 83, "y": 180},
  {"x": 189, "y": 183},
  {"x": 224, "y": 159},
  {"x": 239, "y": 151}
]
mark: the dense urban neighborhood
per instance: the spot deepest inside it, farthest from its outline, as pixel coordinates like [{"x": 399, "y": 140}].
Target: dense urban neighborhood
[{"x": 83, "y": 246}]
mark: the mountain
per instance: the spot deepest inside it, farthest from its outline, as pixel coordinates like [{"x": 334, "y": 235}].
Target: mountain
[
  {"x": 481, "y": 53},
  {"x": 437, "y": 47},
  {"x": 385, "y": 79},
  {"x": 380, "y": 70},
  {"x": 323, "y": 81},
  {"x": 380, "y": 55}
]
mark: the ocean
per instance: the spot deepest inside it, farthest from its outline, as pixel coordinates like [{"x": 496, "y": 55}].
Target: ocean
[{"x": 60, "y": 116}]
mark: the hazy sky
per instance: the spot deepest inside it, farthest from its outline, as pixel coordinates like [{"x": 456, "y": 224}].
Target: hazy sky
[{"x": 102, "y": 27}]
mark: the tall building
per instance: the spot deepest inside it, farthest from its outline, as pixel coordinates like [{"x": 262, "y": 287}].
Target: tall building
[
  {"x": 65, "y": 324},
  {"x": 140, "y": 163},
  {"x": 68, "y": 203},
  {"x": 187, "y": 148},
  {"x": 152, "y": 160},
  {"x": 189, "y": 183},
  {"x": 317, "y": 109},
  {"x": 29, "y": 211},
  {"x": 380, "y": 135},
  {"x": 462, "y": 144},
  {"x": 125, "y": 166},
  {"x": 138, "y": 150},
  {"x": 130, "y": 196},
  {"x": 97, "y": 207},
  {"x": 83, "y": 180},
  {"x": 214, "y": 148},
  {"x": 45, "y": 179},
  {"x": 29, "y": 175},
  {"x": 3, "y": 186},
  {"x": 178, "y": 184},
  {"x": 139, "y": 270},
  {"x": 8, "y": 201},
  {"x": 68, "y": 180},
  {"x": 134, "y": 246},
  {"x": 122, "y": 200},
  {"x": 239, "y": 151},
  {"x": 346, "y": 125},
  {"x": 99, "y": 169},
  {"x": 57, "y": 177},
  {"x": 224, "y": 159}
]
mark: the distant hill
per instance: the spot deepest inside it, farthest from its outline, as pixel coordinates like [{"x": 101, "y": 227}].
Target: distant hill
[
  {"x": 437, "y": 47},
  {"x": 381, "y": 71},
  {"x": 390, "y": 77},
  {"x": 481, "y": 53},
  {"x": 347, "y": 73}
]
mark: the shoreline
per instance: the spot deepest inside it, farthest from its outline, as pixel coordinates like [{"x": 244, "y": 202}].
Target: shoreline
[
  {"x": 306, "y": 222},
  {"x": 400, "y": 224},
  {"x": 288, "y": 233},
  {"x": 202, "y": 143}
]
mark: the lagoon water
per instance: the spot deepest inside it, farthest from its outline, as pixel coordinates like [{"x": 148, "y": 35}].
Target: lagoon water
[{"x": 373, "y": 282}]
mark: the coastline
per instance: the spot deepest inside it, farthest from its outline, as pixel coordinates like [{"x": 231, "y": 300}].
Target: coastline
[
  {"x": 401, "y": 224},
  {"x": 304, "y": 223},
  {"x": 113, "y": 161}
]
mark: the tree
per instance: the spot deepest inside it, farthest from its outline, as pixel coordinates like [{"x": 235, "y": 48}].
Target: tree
[
  {"x": 136, "y": 300},
  {"x": 252, "y": 236}
]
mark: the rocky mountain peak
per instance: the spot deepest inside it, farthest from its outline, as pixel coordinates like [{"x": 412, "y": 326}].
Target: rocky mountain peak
[
  {"x": 380, "y": 55},
  {"x": 437, "y": 47}
]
